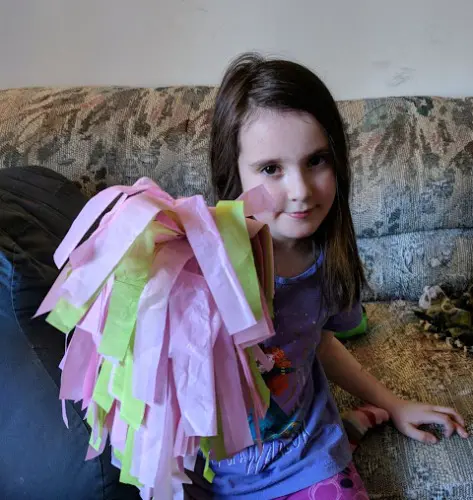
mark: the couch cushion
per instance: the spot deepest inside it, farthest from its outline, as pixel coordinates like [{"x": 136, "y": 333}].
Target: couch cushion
[
  {"x": 401, "y": 265},
  {"x": 397, "y": 352}
]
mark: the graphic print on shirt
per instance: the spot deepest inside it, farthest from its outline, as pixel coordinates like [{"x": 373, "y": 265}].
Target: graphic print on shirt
[
  {"x": 276, "y": 379},
  {"x": 255, "y": 460},
  {"x": 277, "y": 424}
]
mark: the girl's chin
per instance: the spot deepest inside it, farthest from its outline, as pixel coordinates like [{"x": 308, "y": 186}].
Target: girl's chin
[
  {"x": 301, "y": 230},
  {"x": 294, "y": 235}
]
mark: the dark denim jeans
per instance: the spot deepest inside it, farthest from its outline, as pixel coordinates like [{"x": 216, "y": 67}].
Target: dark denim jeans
[{"x": 39, "y": 457}]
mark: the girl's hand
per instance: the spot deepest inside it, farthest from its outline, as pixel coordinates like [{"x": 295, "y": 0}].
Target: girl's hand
[{"x": 407, "y": 416}]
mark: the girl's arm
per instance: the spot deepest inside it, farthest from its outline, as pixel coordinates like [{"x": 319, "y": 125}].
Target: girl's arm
[{"x": 344, "y": 370}]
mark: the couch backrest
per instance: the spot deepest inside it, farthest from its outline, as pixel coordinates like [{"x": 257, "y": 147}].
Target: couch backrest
[
  {"x": 412, "y": 162},
  {"x": 412, "y": 200}
]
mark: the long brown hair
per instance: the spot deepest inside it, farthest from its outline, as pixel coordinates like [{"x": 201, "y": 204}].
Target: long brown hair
[{"x": 252, "y": 82}]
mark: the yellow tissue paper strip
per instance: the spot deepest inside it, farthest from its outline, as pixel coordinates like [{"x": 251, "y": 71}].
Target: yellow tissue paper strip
[
  {"x": 231, "y": 223},
  {"x": 209, "y": 474},
  {"x": 131, "y": 276},
  {"x": 125, "y": 476},
  {"x": 101, "y": 395},
  {"x": 65, "y": 316},
  {"x": 132, "y": 410}
]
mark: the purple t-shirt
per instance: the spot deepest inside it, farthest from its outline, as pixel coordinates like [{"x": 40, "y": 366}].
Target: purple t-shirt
[{"x": 303, "y": 438}]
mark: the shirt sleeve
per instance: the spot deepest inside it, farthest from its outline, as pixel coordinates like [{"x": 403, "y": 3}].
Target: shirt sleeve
[{"x": 345, "y": 320}]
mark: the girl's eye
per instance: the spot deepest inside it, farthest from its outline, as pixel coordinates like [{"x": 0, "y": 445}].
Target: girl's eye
[
  {"x": 271, "y": 170},
  {"x": 318, "y": 160}
]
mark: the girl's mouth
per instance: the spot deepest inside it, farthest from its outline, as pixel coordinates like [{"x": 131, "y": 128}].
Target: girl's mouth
[{"x": 299, "y": 215}]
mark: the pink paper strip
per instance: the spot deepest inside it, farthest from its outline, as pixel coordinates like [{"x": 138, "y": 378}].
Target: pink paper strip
[
  {"x": 88, "y": 215},
  {"x": 91, "y": 452},
  {"x": 64, "y": 413},
  {"x": 151, "y": 321},
  {"x": 167, "y": 222},
  {"x": 257, "y": 333},
  {"x": 146, "y": 493},
  {"x": 163, "y": 480},
  {"x": 191, "y": 352},
  {"x": 259, "y": 411},
  {"x": 210, "y": 252},
  {"x": 257, "y": 201},
  {"x": 85, "y": 251},
  {"x": 94, "y": 320},
  {"x": 112, "y": 244},
  {"x": 155, "y": 449},
  {"x": 181, "y": 441},
  {"x": 54, "y": 294},
  {"x": 118, "y": 432},
  {"x": 64, "y": 358},
  {"x": 161, "y": 380},
  {"x": 138, "y": 443},
  {"x": 74, "y": 372},
  {"x": 90, "y": 378},
  {"x": 234, "y": 418},
  {"x": 258, "y": 405}
]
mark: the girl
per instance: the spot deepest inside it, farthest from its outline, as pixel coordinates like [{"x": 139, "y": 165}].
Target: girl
[{"x": 276, "y": 124}]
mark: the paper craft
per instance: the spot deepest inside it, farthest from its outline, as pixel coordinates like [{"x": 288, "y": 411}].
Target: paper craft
[{"x": 169, "y": 300}]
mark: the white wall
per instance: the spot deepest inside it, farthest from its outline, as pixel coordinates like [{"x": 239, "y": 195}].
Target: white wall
[{"x": 361, "y": 48}]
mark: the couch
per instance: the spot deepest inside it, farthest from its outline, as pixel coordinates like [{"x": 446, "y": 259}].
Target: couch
[{"x": 412, "y": 160}]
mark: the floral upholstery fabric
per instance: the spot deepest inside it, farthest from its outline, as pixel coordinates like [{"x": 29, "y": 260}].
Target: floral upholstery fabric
[
  {"x": 412, "y": 204},
  {"x": 103, "y": 136},
  {"x": 414, "y": 366},
  {"x": 412, "y": 161}
]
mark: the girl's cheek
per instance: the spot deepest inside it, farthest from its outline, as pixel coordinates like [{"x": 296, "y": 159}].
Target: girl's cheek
[
  {"x": 278, "y": 194},
  {"x": 326, "y": 185},
  {"x": 248, "y": 178}
]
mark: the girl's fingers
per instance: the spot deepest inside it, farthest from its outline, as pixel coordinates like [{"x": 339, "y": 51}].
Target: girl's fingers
[
  {"x": 441, "y": 419},
  {"x": 422, "y": 436},
  {"x": 461, "y": 431},
  {"x": 450, "y": 411},
  {"x": 447, "y": 420}
]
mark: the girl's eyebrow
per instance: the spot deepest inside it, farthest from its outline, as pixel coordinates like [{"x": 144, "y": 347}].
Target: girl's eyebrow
[
  {"x": 263, "y": 163},
  {"x": 274, "y": 161}
]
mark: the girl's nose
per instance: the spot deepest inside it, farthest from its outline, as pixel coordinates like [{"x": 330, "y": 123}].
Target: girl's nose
[{"x": 299, "y": 188}]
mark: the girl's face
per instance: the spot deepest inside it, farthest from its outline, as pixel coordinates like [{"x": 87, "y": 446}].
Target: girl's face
[{"x": 288, "y": 152}]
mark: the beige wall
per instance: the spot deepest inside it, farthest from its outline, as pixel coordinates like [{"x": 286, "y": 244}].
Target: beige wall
[{"x": 361, "y": 48}]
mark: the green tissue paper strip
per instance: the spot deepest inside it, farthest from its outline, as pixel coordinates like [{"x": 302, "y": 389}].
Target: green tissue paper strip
[
  {"x": 217, "y": 443},
  {"x": 131, "y": 276},
  {"x": 101, "y": 395},
  {"x": 126, "y": 458},
  {"x": 209, "y": 474},
  {"x": 101, "y": 415},
  {"x": 118, "y": 382},
  {"x": 231, "y": 223},
  {"x": 121, "y": 319},
  {"x": 65, "y": 316},
  {"x": 132, "y": 410}
]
